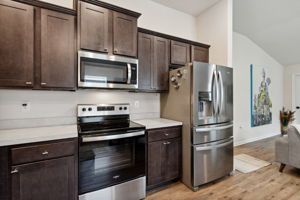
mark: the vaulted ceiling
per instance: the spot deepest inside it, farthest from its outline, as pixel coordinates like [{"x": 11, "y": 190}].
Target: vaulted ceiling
[
  {"x": 272, "y": 24},
  {"x": 192, "y": 7}
]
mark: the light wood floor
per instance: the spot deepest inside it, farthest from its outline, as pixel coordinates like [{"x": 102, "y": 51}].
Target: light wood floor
[{"x": 266, "y": 183}]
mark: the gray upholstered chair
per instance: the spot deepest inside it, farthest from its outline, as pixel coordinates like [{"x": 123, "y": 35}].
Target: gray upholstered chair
[{"x": 287, "y": 149}]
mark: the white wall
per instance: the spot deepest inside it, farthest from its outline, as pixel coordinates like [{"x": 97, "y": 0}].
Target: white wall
[
  {"x": 245, "y": 53},
  {"x": 63, "y": 3},
  {"x": 160, "y": 18},
  {"x": 215, "y": 28},
  {"x": 289, "y": 71},
  {"x": 59, "y": 107},
  {"x": 51, "y": 108}
]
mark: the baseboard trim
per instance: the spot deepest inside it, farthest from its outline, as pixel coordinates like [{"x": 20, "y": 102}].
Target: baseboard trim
[{"x": 241, "y": 142}]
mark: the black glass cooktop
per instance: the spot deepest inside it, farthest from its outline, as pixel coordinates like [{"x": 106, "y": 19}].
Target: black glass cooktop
[{"x": 108, "y": 126}]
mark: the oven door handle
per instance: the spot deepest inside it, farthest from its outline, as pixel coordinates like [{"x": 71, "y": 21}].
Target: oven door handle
[
  {"x": 111, "y": 137},
  {"x": 129, "y": 73}
]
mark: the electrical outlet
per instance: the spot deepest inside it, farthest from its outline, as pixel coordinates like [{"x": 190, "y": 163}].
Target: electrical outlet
[
  {"x": 25, "y": 106},
  {"x": 136, "y": 104}
]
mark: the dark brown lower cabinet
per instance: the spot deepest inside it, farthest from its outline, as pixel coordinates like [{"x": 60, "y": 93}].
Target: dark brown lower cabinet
[
  {"x": 47, "y": 171},
  {"x": 164, "y": 156},
  {"x": 50, "y": 179}
]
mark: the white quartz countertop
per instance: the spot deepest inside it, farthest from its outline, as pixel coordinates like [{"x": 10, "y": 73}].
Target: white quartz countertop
[
  {"x": 157, "y": 123},
  {"x": 39, "y": 134}
]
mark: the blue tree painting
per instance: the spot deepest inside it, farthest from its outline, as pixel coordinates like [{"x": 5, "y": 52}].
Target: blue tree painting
[{"x": 261, "y": 103}]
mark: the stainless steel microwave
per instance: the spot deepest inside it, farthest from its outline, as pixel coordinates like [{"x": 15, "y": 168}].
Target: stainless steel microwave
[{"x": 97, "y": 70}]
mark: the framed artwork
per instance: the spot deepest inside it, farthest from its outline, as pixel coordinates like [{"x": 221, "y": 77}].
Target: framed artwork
[{"x": 261, "y": 102}]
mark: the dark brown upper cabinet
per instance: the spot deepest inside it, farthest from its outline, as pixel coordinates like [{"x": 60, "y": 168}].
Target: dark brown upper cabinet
[
  {"x": 124, "y": 34},
  {"x": 16, "y": 44},
  {"x": 153, "y": 54},
  {"x": 95, "y": 28},
  {"x": 107, "y": 31},
  {"x": 180, "y": 53},
  {"x": 161, "y": 59},
  {"x": 199, "y": 54},
  {"x": 145, "y": 54},
  {"x": 57, "y": 69}
]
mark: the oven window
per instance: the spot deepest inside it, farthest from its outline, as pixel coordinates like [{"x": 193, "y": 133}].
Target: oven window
[
  {"x": 102, "y": 71},
  {"x": 106, "y": 163}
]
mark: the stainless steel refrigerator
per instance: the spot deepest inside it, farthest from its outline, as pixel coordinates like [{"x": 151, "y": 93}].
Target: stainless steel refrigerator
[{"x": 201, "y": 96}]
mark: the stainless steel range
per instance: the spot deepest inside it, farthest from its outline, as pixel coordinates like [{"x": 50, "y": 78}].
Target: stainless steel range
[{"x": 111, "y": 154}]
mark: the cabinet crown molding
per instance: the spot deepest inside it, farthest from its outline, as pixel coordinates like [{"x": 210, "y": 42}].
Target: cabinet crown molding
[{"x": 114, "y": 8}]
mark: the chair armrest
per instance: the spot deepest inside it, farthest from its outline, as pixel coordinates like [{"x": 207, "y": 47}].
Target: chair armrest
[{"x": 294, "y": 147}]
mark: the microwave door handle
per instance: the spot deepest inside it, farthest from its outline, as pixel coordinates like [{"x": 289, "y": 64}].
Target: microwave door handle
[
  {"x": 128, "y": 73},
  {"x": 86, "y": 139}
]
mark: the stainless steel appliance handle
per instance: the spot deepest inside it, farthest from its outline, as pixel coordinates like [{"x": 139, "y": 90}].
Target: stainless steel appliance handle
[
  {"x": 214, "y": 146},
  {"x": 213, "y": 128},
  {"x": 129, "y": 73},
  {"x": 111, "y": 137},
  {"x": 215, "y": 93},
  {"x": 221, "y": 102}
]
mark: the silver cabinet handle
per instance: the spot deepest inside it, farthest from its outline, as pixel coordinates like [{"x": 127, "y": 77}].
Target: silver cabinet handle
[
  {"x": 166, "y": 134},
  {"x": 45, "y": 153},
  {"x": 166, "y": 143},
  {"x": 43, "y": 83},
  {"x": 14, "y": 171},
  {"x": 28, "y": 83}
]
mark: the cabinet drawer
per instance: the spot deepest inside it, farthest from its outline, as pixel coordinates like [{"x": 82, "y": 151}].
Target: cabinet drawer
[
  {"x": 32, "y": 153},
  {"x": 162, "y": 134}
]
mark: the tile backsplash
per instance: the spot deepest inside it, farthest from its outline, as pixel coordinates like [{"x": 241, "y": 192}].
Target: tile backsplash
[{"x": 48, "y": 108}]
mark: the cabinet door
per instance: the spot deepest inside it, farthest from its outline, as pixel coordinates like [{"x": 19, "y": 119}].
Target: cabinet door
[
  {"x": 16, "y": 44},
  {"x": 160, "y": 74},
  {"x": 145, "y": 55},
  {"x": 199, "y": 54},
  {"x": 95, "y": 28},
  {"x": 156, "y": 166},
  {"x": 57, "y": 50},
  {"x": 47, "y": 180},
  {"x": 124, "y": 35},
  {"x": 180, "y": 53},
  {"x": 173, "y": 158}
]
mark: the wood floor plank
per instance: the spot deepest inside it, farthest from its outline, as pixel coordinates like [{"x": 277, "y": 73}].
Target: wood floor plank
[{"x": 265, "y": 184}]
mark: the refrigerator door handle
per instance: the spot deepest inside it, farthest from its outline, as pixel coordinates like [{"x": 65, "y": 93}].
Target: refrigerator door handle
[
  {"x": 215, "y": 93},
  {"x": 214, "y": 146},
  {"x": 214, "y": 128},
  {"x": 221, "y": 92}
]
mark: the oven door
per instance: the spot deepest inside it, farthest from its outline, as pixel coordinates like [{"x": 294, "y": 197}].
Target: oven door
[
  {"x": 111, "y": 159},
  {"x": 106, "y": 71}
]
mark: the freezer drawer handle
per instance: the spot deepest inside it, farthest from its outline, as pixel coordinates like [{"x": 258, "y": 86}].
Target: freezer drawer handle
[
  {"x": 214, "y": 146},
  {"x": 214, "y": 128},
  {"x": 111, "y": 137}
]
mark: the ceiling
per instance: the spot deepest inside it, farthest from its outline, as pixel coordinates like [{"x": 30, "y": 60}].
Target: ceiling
[
  {"x": 192, "y": 7},
  {"x": 272, "y": 24}
]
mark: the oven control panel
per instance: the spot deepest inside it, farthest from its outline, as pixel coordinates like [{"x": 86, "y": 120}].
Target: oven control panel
[{"x": 102, "y": 109}]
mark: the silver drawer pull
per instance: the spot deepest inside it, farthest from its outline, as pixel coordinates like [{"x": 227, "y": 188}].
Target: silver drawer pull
[
  {"x": 45, "y": 153},
  {"x": 43, "y": 83},
  {"x": 14, "y": 171},
  {"x": 28, "y": 83},
  {"x": 166, "y": 134},
  {"x": 167, "y": 143}
]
